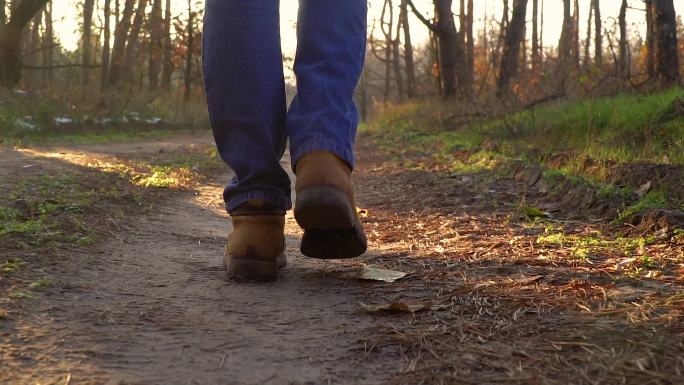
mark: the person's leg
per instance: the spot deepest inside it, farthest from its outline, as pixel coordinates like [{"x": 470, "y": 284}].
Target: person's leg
[
  {"x": 322, "y": 124},
  {"x": 243, "y": 76},
  {"x": 331, "y": 46}
]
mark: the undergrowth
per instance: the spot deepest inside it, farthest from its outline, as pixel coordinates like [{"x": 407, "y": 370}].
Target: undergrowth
[{"x": 623, "y": 129}]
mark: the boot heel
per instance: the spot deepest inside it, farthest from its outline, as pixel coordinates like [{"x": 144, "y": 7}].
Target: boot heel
[
  {"x": 332, "y": 229},
  {"x": 253, "y": 269},
  {"x": 324, "y": 208}
]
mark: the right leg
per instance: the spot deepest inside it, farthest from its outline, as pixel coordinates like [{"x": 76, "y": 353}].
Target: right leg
[{"x": 243, "y": 76}]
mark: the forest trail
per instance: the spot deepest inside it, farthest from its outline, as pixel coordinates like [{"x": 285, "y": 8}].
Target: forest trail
[
  {"x": 151, "y": 306},
  {"x": 490, "y": 296}
]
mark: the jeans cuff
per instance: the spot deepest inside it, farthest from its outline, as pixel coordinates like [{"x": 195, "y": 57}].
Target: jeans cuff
[
  {"x": 282, "y": 202},
  {"x": 346, "y": 153}
]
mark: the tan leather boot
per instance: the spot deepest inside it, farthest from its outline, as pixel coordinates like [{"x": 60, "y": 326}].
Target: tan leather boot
[
  {"x": 325, "y": 208},
  {"x": 256, "y": 246}
]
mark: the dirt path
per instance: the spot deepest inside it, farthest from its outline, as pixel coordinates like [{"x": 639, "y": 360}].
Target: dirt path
[
  {"x": 151, "y": 306},
  {"x": 492, "y": 295}
]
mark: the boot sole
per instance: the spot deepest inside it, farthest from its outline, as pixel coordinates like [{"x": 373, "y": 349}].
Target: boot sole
[
  {"x": 253, "y": 269},
  {"x": 332, "y": 229}
]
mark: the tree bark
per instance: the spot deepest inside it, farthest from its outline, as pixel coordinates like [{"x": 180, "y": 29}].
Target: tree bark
[
  {"x": 48, "y": 54},
  {"x": 167, "y": 54},
  {"x": 665, "y": 30},
  {"x": 511, "y": 48},
  {"x": 396, "y": 62},
  {"x": 575, "y": 36},
  {"x": 134, "y": 35},
  {"x": 156, "y": 35},
  {"x": 536, "y": 57},
  {"x": 87, "y": 40},
  {"x": 598, "y": 33},
  {"x": 119, "y": 49},
  {"x": 587, "y": 41},
  {"x": 11, "y": 40},
  {"x": 188, "y": 56},
  {"x": 564, "y": 45},
  {"x": 104, "y": 70},
  {"x": 622, "y": 48},
  {"x": 650, "y": 40},
  {"x": 470, "y": 50},
  {"x": 450, "y": 50},
  {"x": 409, "y": 62}
]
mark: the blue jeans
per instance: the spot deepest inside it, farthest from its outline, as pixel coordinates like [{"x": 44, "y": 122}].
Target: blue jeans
[{"x": 245, "y": 89}]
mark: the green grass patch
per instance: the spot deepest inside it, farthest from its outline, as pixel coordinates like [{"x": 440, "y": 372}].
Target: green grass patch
[{"x": 652, "y": 200}]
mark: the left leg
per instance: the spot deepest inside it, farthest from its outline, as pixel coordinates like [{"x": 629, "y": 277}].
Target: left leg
[{"x": 321, "y": 125}]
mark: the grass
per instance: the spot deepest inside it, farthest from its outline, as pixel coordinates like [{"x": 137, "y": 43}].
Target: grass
[
  {"x": 623, "y": 129},
  {"x": 86, "y": 119}
]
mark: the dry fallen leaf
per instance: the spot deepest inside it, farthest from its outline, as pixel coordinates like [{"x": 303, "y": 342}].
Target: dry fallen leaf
[
  {"x": 363, "y": 213},
  {"x": 377, "y": 273}
]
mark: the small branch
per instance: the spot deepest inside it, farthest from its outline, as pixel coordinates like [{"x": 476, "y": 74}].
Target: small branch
[{"x": 432, "y": 27}]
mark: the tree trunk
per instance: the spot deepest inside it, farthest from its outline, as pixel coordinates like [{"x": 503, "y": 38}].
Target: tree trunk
[
  {"x": 156, "y": 31},
  {"x": 470, "y": 50},
  {"x": 511, "y": 48},
  {"x": 104, "y": 70},
  {"x": 134, "y": 35},
  {"x": 622, "y": 49},
  {"x": 167, "y": 55},
  {"x": 564, "y": 45},
  {"x": 536, "y": 57},
  {"x": 409, "y": 63},
  {"x": 575, "y": 36},
  {"x": 396, "y": 62},
  {"x": 48, "y": 54},
  {"x": 188, "y": 56},
  {"x": 386, "y": 25},
  {"x": 449, "y": 43},
  {"x": 598, "y": 33},
  {"x": 11, "y": 40},
  {"x": 88, "y": 6},
  {"x": 587, "y": 41},
  {"x": 119, "y": 49},
  {"x": 650, "y": 40},
  {"x": 3, "y": 15},
  {"x": 665, "y": 30}
]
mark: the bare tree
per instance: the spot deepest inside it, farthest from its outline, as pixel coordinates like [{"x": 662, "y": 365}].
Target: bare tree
[
  {"x": 598, "y": 33},
  {"x": 188, "y": 56},
  {"x": 409, "y": 62},
  {"x": 511, "y": 48},
  {"x": 650, "y": 40},
  {"x": 622, "y": 64},
  {"x": 575, "y": 36},
  {"x": 156, "y": 35},
  {"x": 665, "y": 31},
  {"x": 167, "y": 54},
  {"x": 470, "y": 49},
  {"x": 587, "y": 41},
  {"x": 48, "y": 42},
  {"x": 564, "y": 44},
  {"x": 11, "y": 39},
  {"x": 134, "y": 35},
  {"x": 104, "y": 70},
  {"x": 120, "y": 36},
  {"x": 536, "y": 50},
  {"x": 87, "y": 37},
  {"x": 449, "y": 46}
]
